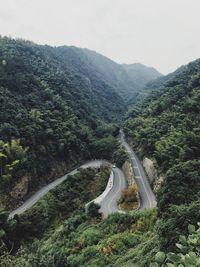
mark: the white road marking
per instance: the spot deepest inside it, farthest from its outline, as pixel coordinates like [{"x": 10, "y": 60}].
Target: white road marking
[
  {"x": 144, "y": 186},
  {"x": 128, "y": 150},
  {"x": 120, "y": 183}
]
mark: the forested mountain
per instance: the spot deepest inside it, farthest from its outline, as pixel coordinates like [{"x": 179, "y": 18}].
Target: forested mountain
[
  {"x": 127, "y": 80},
  {"x": 60, "y": 106},
  {"x": 53, "y": 102},
  {"x": 157, "y": 83},
  {"x": 165, "y": 127},
  {"x": 141, "y": 74},
  {"x": 106, "y": 69},
  {"x": 63, "y": 70}
]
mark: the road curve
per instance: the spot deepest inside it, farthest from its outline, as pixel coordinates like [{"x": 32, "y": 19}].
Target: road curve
[
  {"x": 109, "y": 204},
  {"x": 147, "y": 197},
  {"x": 41, "y": 192}
]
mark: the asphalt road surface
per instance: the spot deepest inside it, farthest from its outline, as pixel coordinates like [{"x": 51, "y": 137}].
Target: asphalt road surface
[
  {"x": 147, "y": 197},
  {"x": 40, "y": 193},
  {"x": 109, "y": 203}
]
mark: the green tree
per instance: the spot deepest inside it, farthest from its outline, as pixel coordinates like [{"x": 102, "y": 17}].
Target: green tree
[
  {"x": 12, "y": 156},
  {"x": 188, "y": 254}
]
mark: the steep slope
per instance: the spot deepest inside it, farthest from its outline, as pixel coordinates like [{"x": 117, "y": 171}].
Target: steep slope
[
  {"x": 59, "y": 231},
  {"x": 141, "y": 74},
  {"x": 144, "y": 77},
  {"x": 157, "y": 83},
  {"x": 60, "y": 73},
  {"x": 53, "y": 101},
  {"x": 165, "y": 127},
  {"x": 44, "y": 97},
  {"x": 127, "y": 80},
  {"x": 113, "y": 73}
]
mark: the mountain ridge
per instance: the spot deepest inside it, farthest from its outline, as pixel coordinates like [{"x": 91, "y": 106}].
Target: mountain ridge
[
  {"x": 53, "y": 99},
  {"x": 141, "y": 74}
]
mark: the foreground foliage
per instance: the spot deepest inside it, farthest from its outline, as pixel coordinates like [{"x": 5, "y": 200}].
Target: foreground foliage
[
  {"x": 60, "y": 231},
  {"x": 189, "y": 251},
  {"x": 57, "y": 205},
  {"x": 82, "y": 240}
]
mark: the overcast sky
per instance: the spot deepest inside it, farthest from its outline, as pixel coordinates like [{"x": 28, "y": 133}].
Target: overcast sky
[{"x": 161, "y": 33}]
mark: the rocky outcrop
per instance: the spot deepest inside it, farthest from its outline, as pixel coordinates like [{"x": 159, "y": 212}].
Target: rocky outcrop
[
  {"x": 128, "y": 171},
  {"x": 152, "y": 173},
  {"x": 21, "y": 188},
  {"x": 10, "y": 199},
  {"x": 27, "y": 185},
  {"x": 150, "y": 170}
]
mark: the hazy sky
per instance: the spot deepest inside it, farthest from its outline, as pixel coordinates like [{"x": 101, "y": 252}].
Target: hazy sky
[{"x": 160, "y": 33}]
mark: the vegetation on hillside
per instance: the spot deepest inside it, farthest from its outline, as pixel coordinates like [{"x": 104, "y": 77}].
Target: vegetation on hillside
[
  {"x": 56, "y": 206},
  {"x": 55, "y": 103},
  {"x": 59, "y": 107},
  {"x": 12, "y": 159},
  {"x": 129, "y": 198},
  {"x": 165, "y": 126},
  {"x": 188, "y": 254},
  {"x": 84, "y": 240},
  {"x": 141, "y": 74},
  {"x": 60, "y": 231},
  {"x": 127, "y": 80}
]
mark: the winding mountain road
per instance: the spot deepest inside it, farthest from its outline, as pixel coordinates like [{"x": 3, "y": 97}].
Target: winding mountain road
[
  {"x": 109, "y": 202},
  {"x": 147, "y": 197},
  {"x": 41, "y": 192}
]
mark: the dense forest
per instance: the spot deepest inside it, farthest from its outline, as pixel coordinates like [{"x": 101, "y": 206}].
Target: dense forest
[
  {"x": 55, "y": 110},
  {"x": 142, "y": 75},
  {"x": 165, "y": 127},
  {"x": 60, "y": 106}
]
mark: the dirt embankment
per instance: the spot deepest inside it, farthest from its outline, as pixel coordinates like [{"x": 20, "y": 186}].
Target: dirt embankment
[{"x": 130, "y": 197}]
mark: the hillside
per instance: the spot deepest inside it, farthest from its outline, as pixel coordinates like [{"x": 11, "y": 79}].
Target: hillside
[
  {"x": 127, "y": 80},
  {"x": 56, "y": 103},
  {"x": 146, "y": 78},
  {"x": 106, "y": 69},
  {"x": 60, "y": 106},
  {"x": 141, "y": 74},
  {"x": 54, "y": 110},
  {"x": 165, "y": 128},
  {"x": 56, "y": 68}
]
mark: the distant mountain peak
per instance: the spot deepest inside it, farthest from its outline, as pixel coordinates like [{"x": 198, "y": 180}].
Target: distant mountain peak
[
  {"x": 141, "y": 74},
  {"x": 141, "y": 66}
]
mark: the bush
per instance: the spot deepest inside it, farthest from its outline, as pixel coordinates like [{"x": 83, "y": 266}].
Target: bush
[{"x": 188, "y": 251}]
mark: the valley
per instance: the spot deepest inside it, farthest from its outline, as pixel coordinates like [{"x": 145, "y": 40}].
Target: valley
[
  {"x": 109, "y": 204},
  {"x": 71, "y": 118}
]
